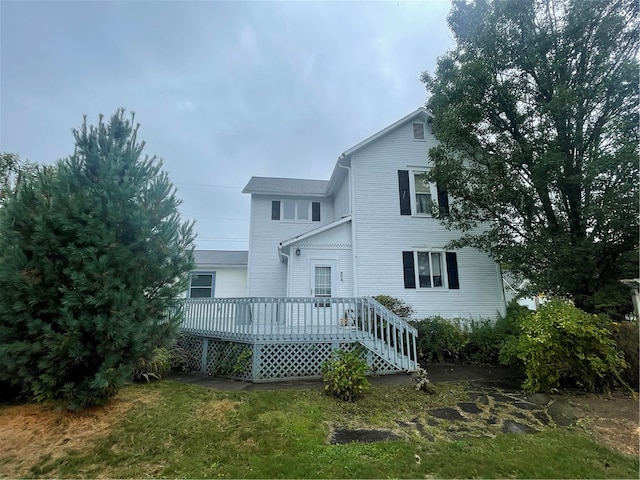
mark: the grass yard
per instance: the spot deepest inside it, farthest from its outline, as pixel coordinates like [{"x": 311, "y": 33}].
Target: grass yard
[{"x": 169, "y": 429}]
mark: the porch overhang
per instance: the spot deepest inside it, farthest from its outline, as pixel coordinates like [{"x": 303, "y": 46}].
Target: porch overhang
[{"x": 284, "y": 247}]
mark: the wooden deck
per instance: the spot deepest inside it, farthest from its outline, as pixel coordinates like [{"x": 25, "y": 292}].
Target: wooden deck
[{"x": 271, "y": 323}]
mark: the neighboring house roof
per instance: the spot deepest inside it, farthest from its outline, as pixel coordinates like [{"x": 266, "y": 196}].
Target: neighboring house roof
[
  {"x": 286, "y": 186},
  {"x": 221, "y": 258}
]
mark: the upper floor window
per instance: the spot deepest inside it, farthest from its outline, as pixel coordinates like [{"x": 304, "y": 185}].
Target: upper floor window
[
  {"x": 202, "y": 285},
  {"x": 302, "y": 210},
  {"x": 423, "y": 193},
  {"x": 418, "y": 131},
  {"x": 418, "y": 195}
]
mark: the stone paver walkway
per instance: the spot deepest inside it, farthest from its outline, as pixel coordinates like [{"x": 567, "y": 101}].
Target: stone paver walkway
[{"x": 495, "y": 404}]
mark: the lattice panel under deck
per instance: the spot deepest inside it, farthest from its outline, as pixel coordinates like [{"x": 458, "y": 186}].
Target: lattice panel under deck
[
  {"x": 274, "y": 361},
  {"x": 194, "y": 346},
  {"x": 290, "y": 360},
  {"x": 230, "y": 359}
]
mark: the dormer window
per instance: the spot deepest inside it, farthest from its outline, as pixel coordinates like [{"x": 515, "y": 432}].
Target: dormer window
[{"x": 418, "y": 131}]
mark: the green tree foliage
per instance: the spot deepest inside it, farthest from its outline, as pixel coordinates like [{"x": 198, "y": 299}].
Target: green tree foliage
[
  {"x": 13, "y": 171},
  {"x": 93, "y": 255},
  {"x": 536, "y": 112}
]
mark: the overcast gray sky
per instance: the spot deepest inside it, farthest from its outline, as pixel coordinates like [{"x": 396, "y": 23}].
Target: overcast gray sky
[{"x": 222, "y": 90}]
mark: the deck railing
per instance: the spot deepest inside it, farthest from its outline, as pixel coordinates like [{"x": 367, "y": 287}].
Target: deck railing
[{"x": 295, "y": 319}]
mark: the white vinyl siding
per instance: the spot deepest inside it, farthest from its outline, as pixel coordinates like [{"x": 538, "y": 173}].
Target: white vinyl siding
[
  {"x": 267, "y": 274},
  {"x": 382, "y": 234}
]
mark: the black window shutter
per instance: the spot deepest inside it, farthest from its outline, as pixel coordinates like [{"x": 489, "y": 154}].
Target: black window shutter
[
  {"x": 443, "y": 200},
  {"x": 275, "y": 210},
  {"x": 403, "y": 187},
  {"x": 452, "y": 270},
  {"x": 315, "y": 211},
  {"x": 409, "y": 270}
]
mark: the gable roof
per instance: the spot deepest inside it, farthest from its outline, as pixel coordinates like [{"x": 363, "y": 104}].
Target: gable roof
[
  {"x": 286, "y": 244},
  {"x": 231, "y": 258},
  {"x": 339, "y": 174},
  {"x": 316, "y": 231},
  {"x": 420, "y": 112},
  {"x": 286, "y": 186},
  {"x": 322, "y": 188}
]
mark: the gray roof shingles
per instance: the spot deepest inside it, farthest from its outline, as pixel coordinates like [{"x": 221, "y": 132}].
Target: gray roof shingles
[
  {"x": 286, "y": 186},
  {"x": 221, "y": 257}
]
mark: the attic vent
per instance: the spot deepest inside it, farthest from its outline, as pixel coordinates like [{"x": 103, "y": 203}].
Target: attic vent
[{"x": 418, "y": 131}]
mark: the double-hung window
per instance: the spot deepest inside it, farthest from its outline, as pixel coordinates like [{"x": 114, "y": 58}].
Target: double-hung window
[
  {"x": 202, "y": 285},
  {"x": 430, "y": 270},
  {"x": 423, "y": 193},
  {"x": 418, "y": 195}
]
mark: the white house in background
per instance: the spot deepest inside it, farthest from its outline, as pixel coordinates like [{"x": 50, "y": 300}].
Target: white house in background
[
  {"x": 367, "y": 231},
  {"x": 219, "y": 274}
]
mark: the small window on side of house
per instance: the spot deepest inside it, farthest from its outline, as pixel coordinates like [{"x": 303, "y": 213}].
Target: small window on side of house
[
  {"x": 202, "y": 285},
  {"x": 418, "y": 131}
]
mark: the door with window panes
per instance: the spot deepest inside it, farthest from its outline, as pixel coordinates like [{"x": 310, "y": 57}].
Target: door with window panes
[{"x": 322, "y": 286}]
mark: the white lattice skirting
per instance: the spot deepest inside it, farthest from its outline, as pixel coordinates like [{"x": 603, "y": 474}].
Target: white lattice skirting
[{"x": 257, "y": 362}]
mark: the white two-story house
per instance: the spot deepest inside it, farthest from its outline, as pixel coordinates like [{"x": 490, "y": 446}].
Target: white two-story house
[{"x": 368, "y": 230}]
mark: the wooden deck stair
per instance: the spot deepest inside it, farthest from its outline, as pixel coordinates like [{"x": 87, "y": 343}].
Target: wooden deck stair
[{"x": 293, "y": 336}]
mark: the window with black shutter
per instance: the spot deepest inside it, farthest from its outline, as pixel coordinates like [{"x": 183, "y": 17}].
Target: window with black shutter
[
  {"x": 443, "y": 200},
  {"x": 275, "y": 210},
  {"x": 315, "y": 211},
  {"x": 452, "y": 270},
  {"x": 409, "y": 270},
  {"x": 405, "y": 195},
  {"x": 425, "y": 270}
]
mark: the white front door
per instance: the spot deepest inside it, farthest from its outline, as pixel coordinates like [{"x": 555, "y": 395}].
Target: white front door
[{"x": 322, "y": 278}]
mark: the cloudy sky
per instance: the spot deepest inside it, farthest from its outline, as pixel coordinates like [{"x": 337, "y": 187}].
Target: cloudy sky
[{"x": 222, "y": 90}]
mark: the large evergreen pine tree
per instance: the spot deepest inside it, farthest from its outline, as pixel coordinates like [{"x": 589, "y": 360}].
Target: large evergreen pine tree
[{"x": 93, "y": 255}]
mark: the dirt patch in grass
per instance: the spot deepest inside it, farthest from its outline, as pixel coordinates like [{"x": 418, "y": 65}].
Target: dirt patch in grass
[
  {"x": 611, "y": 419},
  {"x": 216, "y": 410},
  {"x": 31, "y": 432}
]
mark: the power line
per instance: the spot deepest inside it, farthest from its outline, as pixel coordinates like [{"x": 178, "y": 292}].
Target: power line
[
  {"x": 208, "y": 185},
  {"x": 218, "y": 218}
]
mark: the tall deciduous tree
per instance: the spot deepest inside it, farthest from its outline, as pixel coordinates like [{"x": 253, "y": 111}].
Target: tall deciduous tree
[
  {"x": 536, "y": 112},
  {"x": 93, "y": 255}
]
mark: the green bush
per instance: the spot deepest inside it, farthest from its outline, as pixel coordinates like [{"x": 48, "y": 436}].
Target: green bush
[
  {"x": 510, "y": 328},
  {"x": 397, "y": 306},
  {"x": 483, "y": 343},
  {"x": 344, "y": 374},
  {"x": 153, "y": 368},
  {"x": 439, "y": 340},
  {"x": 561, "y": 345},
  {"x": 627, "y": 338}
]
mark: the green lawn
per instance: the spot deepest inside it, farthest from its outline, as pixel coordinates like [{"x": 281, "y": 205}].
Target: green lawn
[{"x": 188, "y": 431}]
